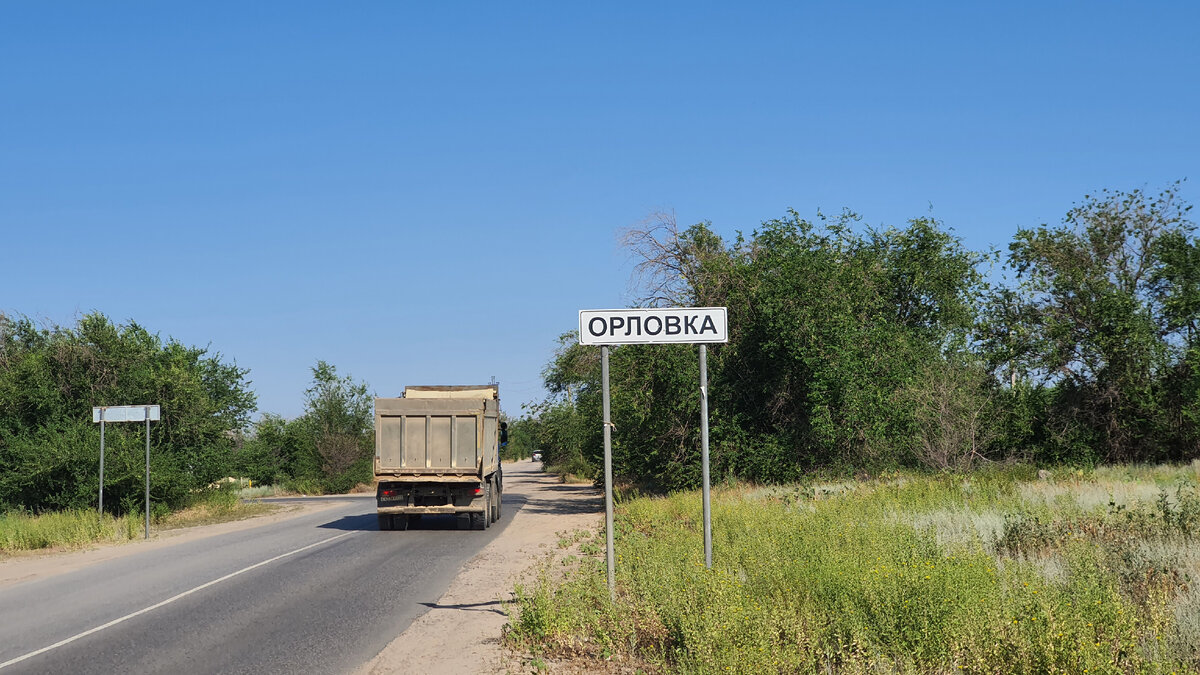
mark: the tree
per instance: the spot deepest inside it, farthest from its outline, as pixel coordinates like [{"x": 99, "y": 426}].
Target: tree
[
  {"x": 1106, "y": 309},
  {"x": 955, "y": 411},
  {"x": 1180, "y": 277},
  {"x": 329, "y": 448},
  {"x": 829, "y": 326},
  {"x": 270, "y": 454},
  {"x": 339, "y": 417},
  {"x": 829, "y": 323},
  {"x": 50, "y": 378},
  {"x": 677, "y": 269}
]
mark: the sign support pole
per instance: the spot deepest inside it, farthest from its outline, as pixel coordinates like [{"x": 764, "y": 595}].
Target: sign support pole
[
  {"x": 126, "y": 413},
  {"x": 102, "y": 462},
  {"x": 704, "y": 454},
  {"x": 147, "y": 472},
  {"x": 608, "y": 478}
]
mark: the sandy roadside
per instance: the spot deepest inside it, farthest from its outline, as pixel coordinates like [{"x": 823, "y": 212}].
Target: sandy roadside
[{"x": 461, "y": 633}]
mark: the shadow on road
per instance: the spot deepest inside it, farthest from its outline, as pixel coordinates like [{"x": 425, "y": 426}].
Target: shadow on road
[
  {"x": 573, "y": 488},
  {"x": 554, "y": 500},
  {"x": 569, "y": 500},
  {"x": 307, "y": 500},
  {"x": 370, "y": 521},
  {"x": 353, "y": 523},
  {"x": 470, "y": 607}
]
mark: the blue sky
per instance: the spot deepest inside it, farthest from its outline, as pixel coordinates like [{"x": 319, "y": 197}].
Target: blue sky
[{"x": 428, "y": 192}]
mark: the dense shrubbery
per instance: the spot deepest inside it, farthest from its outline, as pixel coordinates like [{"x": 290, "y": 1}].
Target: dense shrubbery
[
  {"x": 855, "y": 348},
  {"x": 49, "y": 447},
  {"x": 327, "y": 449}
]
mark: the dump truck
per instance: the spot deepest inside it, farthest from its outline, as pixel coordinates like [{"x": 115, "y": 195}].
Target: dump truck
[{"x": 437, "y": 451}]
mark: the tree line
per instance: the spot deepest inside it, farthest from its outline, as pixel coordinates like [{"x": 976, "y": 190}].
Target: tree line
[
  {"x": 860, "y": 348},
  {"x": 50, "y": 378}
]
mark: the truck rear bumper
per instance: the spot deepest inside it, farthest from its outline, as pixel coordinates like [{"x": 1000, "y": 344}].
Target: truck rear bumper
[
  {"x": 394, "y": 498},
  {"x": 429, "y": 510}
]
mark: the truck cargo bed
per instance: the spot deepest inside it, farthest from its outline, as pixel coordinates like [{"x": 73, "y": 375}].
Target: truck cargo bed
[{"x": 437, "y": 452}]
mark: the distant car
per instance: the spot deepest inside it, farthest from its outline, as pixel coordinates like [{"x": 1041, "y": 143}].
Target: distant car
[{"x": 537, "y": 456}]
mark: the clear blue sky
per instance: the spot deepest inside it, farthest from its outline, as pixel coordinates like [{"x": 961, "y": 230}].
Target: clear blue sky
[{"x": 428, "y": 192}]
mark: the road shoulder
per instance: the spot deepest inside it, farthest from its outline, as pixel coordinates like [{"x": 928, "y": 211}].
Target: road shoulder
[
  {"x": 33, "y": 565},
  {"x": 461, "y": 632}
]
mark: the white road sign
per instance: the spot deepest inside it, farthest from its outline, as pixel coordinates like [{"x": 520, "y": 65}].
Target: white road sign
[
  {"x": 668, "y": 325},
  {"x": 126, "y": 413}
]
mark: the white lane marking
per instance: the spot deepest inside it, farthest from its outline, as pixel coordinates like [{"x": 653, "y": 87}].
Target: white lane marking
[{"x": 168, "y": 601}]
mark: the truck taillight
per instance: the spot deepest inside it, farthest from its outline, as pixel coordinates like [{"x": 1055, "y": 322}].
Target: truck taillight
[
  {"x": 478, "y": 491},
  {"x": 390, "y": 493}
]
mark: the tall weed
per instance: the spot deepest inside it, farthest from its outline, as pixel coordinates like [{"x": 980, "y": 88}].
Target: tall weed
[
  {"x": 864, "y": 579},
  {"x": 23, "y": 531}
]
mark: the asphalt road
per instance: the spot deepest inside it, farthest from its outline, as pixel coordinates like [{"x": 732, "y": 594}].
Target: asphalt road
[{"x": 322, "y": 592}]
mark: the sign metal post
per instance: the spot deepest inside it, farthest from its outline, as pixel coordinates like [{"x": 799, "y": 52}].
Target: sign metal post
[
  {"x": 608, "y": 478},
  {"x": 126, "y": 413},
  {"x": 707, "y": 503},
  {"x": 667, "y": 325},
  {"x": 148, "y": 471},
  {"x": 102, "y": 462}
]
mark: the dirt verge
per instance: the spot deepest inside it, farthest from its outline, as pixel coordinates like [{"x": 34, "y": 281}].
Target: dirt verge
[{"x": 461, "y": 633}]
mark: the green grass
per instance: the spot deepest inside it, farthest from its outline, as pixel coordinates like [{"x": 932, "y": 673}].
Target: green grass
[
  {"x": 990, "y": 572},
  {"x": 23, "y": 531}
]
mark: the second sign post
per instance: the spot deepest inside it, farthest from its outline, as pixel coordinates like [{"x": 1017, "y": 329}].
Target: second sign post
[{"x": 126, "y": 413}]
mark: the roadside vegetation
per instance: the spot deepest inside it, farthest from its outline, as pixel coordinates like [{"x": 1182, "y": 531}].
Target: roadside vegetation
[
  {"x": 857, "y": 348},
  {"x": 327, "y": 450},
  {"x": 929, "y": 385},
  {"x": 51, "y": 377},
  {"x": 77, "y": 528},
  {"x": 993, "y": 571}
]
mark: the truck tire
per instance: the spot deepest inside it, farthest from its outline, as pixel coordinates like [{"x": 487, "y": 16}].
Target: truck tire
[
  {"x": 491, "y": 502},
  {"x": 385, "y": 521},
  {"x": 481, "y": 521},
  {"x": 497, "y": 497}
]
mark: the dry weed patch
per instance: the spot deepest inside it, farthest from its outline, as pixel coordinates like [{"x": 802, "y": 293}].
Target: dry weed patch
[
  {"x": 23, "y": 531},
  {"x": 991, "y": 572}
]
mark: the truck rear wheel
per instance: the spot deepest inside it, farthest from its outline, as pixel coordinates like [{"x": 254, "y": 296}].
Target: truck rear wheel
[
  {"x": 491, "y": 502},
  {"x": 481, "y": 521},
  {"x": 496, "y": 496}
]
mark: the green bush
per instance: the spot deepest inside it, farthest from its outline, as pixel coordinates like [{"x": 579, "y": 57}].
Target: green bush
[
  {"x": 49, "y": 448},
  {"x": 328, "y": 449}
]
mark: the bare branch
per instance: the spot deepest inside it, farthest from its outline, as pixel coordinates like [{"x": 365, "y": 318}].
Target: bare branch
[{"x": 660, "y": 275}]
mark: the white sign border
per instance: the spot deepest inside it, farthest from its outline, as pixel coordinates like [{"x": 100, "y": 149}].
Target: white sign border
[{"x": 586, "y": 338}]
